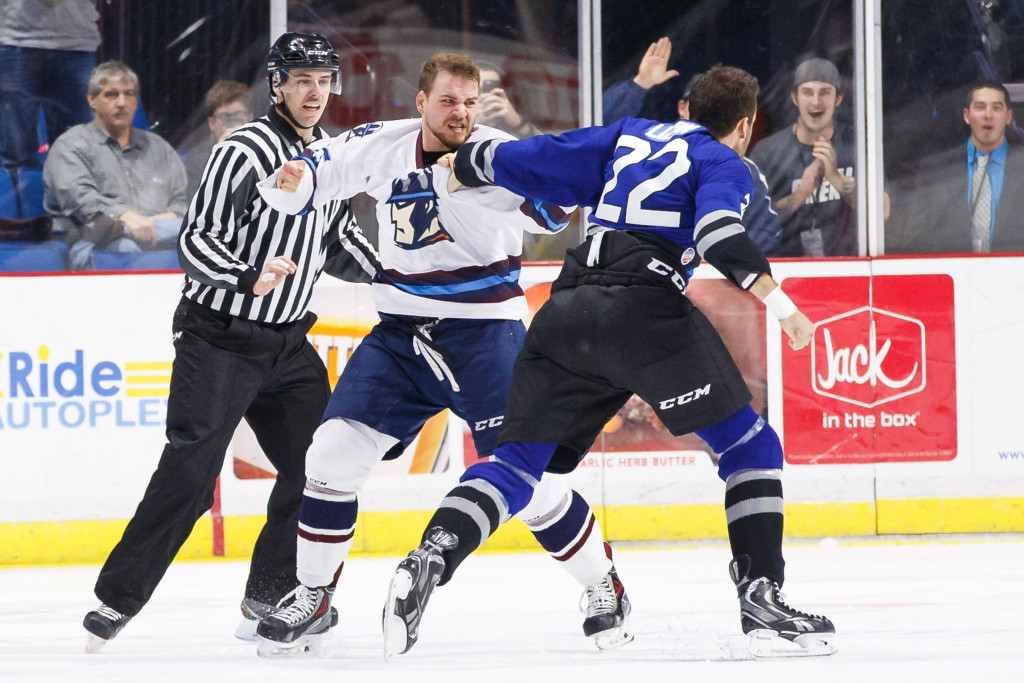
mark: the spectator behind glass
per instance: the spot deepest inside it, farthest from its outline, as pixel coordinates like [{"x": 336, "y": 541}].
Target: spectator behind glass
[
  {"x": 626, "y": 98},
  {"x": 47, "y": 50},
  {"x": 109, "y": 186},
  {"x": 809, "y": 167},
  {"x": 495, "y": 109},
  {"x": 943, "y": 197},
  {"x": 227, "y": 108}
]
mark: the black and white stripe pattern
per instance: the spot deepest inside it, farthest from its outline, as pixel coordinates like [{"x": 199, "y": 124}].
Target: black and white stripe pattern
[
  {"x": 753, "y": 492},
  {"x": 715, "y": 227},
  {"x": 230, "y": 232},
  {"x": 474, "y": 163}
]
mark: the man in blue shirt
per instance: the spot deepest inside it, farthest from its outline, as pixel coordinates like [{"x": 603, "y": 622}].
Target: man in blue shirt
[{"x": 969, "y": 199}]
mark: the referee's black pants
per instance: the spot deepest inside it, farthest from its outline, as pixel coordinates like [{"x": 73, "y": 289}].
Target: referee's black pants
[{"x": 225, "y": 368}]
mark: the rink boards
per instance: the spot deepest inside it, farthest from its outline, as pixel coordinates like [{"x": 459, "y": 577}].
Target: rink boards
[{"x": 901, "y": 418}]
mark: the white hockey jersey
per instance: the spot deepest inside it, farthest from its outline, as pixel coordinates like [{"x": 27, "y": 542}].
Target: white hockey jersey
[{"x": 445, "y": 256}]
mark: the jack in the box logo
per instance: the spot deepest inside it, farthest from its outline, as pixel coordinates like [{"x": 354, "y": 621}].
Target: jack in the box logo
[
  {"x": 854, "y": 359},
  {"x": 878, "y": 381}
]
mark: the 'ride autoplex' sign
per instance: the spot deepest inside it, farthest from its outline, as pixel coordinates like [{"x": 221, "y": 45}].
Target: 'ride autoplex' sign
[{"x": 878, "y": 382}]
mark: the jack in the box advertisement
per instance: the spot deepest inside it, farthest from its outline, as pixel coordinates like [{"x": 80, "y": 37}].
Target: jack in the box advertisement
[{"x": 878, "y": 381}]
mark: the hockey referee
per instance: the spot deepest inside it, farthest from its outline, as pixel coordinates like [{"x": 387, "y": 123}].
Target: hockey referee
[{"x": 240, "y": 344}]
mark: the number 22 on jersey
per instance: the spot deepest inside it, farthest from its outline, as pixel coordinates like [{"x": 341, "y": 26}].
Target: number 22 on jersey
[{"x": 641, "y": 151}]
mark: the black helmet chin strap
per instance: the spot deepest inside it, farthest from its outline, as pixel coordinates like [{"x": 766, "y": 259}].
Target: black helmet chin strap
[{"x": 283, "y": 110}]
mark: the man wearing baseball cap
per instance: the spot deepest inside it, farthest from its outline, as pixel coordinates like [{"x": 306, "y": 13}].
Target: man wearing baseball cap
[{"x": 809, "y": 167}]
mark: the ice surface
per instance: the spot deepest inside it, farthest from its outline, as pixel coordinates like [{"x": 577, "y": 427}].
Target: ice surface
[{"x": 945, "y": 609}]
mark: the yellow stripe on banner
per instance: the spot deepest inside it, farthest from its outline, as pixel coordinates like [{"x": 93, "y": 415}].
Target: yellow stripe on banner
[
  {"x": 161, "y": 391},
  {"x": 148, "y": 379},
  {"x": 396, "y": 533},
  {"x": 143, "y": 367}
]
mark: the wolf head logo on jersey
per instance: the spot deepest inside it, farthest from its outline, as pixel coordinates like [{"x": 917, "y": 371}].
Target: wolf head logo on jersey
[{"x": 414, "y": 211}]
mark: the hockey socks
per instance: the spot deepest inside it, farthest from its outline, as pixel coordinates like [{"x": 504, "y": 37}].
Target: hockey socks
[
  {"x": 566, "y": 528},
  {"x": 754, "y": 512},
  {"x": 327, "y": 521},
  {"x": 471, "y": 512}
]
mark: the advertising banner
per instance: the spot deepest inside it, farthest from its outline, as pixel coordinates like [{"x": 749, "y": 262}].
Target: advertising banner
[{"x": 878, "y": 382}]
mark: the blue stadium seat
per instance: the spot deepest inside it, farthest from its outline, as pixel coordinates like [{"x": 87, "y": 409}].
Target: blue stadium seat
[
  {"x": 8, "y": 197},
  {"x": 30, "y": 189},
  {"x": 33, "y": 257},
  {"x": 162, "y": 259}
]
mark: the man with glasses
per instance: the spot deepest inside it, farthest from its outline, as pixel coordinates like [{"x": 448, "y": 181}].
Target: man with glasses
[{"x": 227, "y": 109}]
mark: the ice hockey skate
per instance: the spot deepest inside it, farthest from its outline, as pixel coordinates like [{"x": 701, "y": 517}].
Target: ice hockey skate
[
  {"x": 606, "y": 619},
  {"x": 410, "y": 589},
  {"x": 775, "y": 628},
  {"x": 299, "y": 626},
  {"x": 253, "y": 611},
  {"x": 103, "y": 623}
]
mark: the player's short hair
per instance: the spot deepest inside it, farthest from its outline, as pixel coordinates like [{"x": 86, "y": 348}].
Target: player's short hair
[
  {"x": 447, "y": 62},
  {"x": 721, "y": 98},
  {"x": 110, "y": 71},
  {"x": 224, "y": 93},
  {"x": 985, "y": 83}
]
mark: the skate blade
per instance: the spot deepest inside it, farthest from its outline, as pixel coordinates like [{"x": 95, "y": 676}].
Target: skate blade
[
  {"x": 247, "y": 630},
  {"x": 305, "y": 646},
  {"x": 396, "y": 633},
  {"x": 766, "y": 644},
  {"x": 93, "y": 644},
  {"x": 614, "y": 637}
]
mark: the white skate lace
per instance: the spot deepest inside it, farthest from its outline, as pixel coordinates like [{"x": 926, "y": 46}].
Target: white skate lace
[
  {"x": 779, "y": 598},
  {"x": 109, "y": 613},
  {"x": 600, "y": 598},
  {"x": 301, "y": 608}
]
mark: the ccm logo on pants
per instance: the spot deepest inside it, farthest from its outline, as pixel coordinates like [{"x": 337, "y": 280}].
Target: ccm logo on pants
[
  {"x": 685, "y": 398},
  {"x": 484, "y": 424}
]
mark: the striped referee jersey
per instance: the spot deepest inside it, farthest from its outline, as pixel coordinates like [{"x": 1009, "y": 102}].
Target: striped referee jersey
[{"x": 229, "y": 232}]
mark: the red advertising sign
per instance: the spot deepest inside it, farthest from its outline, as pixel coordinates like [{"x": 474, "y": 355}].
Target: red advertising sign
[{"x": 878, "y": 382}]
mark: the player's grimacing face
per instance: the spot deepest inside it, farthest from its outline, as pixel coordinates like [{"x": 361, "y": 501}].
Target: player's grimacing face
[{"x": 449, "y": 112}]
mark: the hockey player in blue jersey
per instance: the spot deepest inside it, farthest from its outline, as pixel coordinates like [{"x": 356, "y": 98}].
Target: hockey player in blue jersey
[
  {"x": 665, "y": 196},
  {"x": 451, "y": 307}
]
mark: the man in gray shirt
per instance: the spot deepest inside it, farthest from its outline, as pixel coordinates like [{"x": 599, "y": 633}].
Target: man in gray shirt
[
  {"x": 109, "y": 186},
  {"x": 47, "y": 49}
]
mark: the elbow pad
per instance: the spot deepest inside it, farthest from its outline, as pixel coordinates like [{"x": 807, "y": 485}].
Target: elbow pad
[
  {"x": 472, "y": 165},
  {"x": 738, "y": 259}
]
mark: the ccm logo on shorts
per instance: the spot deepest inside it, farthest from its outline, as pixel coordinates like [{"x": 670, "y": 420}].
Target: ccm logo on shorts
[
  {"x": 685, "y": 398},
  {"x": 480, "y": 425}
]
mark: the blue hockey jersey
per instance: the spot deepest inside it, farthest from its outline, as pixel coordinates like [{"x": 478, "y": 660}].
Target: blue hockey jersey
[{"x": 671, "y": 179}]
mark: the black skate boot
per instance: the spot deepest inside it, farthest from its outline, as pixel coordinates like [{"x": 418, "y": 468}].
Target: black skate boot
[
  {"x": 607, "y": 613},
  {"x": 253, "y": 611},
  {"x": 410, "y": 589},
  {"x": 103, "y": 623},
  {"x": 772, "y": 624},
  {"x": 298, "y": 626}
]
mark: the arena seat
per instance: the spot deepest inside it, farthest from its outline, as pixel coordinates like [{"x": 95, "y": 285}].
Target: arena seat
[
  {"x": 33, "y": 257},
  {"x": 8, "y": 196},
  {"x": 162, "y": 259},
  {"x": 30, "y": 190}
]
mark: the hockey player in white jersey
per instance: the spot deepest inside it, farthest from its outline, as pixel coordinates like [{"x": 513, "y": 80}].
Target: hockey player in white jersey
[{"x": 451, "y": 309}]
